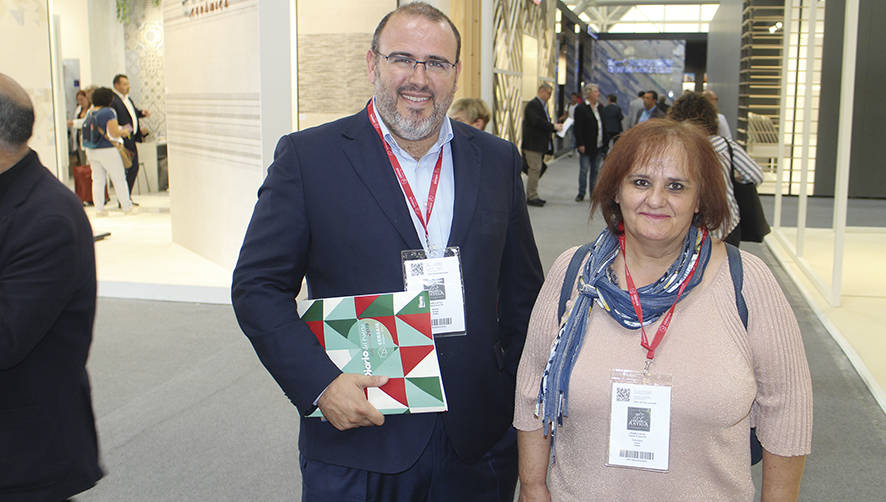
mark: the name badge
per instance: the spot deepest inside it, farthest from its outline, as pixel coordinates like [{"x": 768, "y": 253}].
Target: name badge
[
  {"x": 441, "y": 277},
  {"x": 639, "y": 421}
]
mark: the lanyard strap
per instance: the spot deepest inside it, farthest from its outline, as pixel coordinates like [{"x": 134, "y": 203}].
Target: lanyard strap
[
  {"x": 404, "y": 183},
  {"x": 638, "y": 308}
]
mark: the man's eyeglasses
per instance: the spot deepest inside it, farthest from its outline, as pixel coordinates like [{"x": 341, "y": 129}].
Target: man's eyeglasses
[{"x": 406, "y": 63}]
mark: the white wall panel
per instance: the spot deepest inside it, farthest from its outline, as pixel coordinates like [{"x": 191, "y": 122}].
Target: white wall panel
[{"x": 224, "y": 107}]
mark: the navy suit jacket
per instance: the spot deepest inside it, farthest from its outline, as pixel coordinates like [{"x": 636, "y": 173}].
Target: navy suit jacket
[
  {"x": 331, "y": 211},
  {"x": 123, "y": 118},
  {"x": 537, "y": 127},
  {"x": 48, "y": 444}
]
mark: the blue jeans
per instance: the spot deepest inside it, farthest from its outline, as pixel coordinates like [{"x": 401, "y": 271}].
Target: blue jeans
[{"x": 588, "y": 164}]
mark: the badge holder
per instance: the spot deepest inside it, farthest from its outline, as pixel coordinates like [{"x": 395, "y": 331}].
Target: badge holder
[
  {"x": 441, "y": 276},
  {"x": 639, "y": 421}
]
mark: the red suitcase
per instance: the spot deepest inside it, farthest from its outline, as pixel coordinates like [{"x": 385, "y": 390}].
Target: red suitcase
[{"x": 83, "y": 184}]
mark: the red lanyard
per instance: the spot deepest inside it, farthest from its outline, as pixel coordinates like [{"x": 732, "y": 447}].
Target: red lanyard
[
  {"x": 638, "y": 308},
  {"x": 404, "y": 183}
]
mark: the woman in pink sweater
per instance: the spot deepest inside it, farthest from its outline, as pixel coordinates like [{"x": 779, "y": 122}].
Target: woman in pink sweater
[{"x": 648, "y": 385}]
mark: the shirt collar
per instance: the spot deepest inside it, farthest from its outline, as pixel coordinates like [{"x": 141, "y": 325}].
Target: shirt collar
[
  {"x": 444, "y": 137},
  {"x": 122, "y": 96}
]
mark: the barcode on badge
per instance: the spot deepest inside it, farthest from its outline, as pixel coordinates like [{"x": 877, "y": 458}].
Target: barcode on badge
[
  {"x": 639, "y": 455},
  {"x": 416, "y": 268},
  {"x": 441, "y": 321},
  {"x": 623, "y": 394}
]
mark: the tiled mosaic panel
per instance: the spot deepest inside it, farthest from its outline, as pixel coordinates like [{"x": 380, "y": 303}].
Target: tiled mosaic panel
[
  {"x": 144, "y": 65},
  {"x": 322, "y": 85},
  {"x": 512, "y": 19}
]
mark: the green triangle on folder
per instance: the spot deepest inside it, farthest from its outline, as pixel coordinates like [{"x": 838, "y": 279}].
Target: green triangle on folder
[
  {"x": 314, "y": 312},
  {"x": 341, "y": 326},
  {"x": 383, "y": 306},
  {"x": 418, "y": 305},
  {"x": 344, "y": 310},
  {"x": 424, "y": 392}
]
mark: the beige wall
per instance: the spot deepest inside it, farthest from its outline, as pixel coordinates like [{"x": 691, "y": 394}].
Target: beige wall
[
  {"x": 23, "y": 23},
  {"x": 74, "y": 18},
  {"x": 333, "y": 37}
]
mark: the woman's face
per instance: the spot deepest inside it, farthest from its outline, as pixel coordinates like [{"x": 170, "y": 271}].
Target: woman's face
[
  {"x": 82, "y": 101},
  {"x": 658, "y": 200}
]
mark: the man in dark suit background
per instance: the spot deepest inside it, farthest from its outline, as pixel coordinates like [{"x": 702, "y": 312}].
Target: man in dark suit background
[
  {"x": 128, "y": 113},
  {"x": 589, "y": 140},
  {"x": 333, "y": 211},
  {"x": 612, "y": 119},
  {"x": 650, "y": 108},
  {"x": 48, "y": 444},
  {"x": 537, "y": 130}
]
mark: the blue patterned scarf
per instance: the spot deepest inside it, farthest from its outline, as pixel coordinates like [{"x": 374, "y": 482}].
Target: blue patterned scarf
[{"x": 595, "y": 285}]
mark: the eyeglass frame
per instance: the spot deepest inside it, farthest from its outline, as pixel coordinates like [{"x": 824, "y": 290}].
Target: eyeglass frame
[{"x": 416, "y": 62}]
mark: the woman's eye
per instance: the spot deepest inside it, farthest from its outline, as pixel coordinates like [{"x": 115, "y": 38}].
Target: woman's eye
[
  {"x": 641, "y": 182},
  {"x": 676, "y": 186}
]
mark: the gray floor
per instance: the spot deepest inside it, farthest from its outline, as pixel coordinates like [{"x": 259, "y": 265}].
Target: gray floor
[{"x": 186, "y": 413}]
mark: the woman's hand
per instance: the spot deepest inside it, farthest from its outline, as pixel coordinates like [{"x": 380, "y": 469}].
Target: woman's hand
[
  {"x": 534, "y": 493},
  {"x": 781, "y": 477}
]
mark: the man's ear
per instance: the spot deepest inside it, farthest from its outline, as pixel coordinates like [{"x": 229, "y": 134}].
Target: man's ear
[{"x": 371, "y": 62}]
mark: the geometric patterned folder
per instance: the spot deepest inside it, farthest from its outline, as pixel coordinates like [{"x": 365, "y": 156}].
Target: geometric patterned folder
[{"x": 386, "y": 334}]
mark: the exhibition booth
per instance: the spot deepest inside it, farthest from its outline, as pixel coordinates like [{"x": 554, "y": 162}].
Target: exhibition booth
[{"x": 224, "y": 80}]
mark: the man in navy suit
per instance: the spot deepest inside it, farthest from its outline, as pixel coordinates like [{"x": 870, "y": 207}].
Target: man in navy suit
[
  {"x": 128, "y": 113},
  {"x": 48, "y": 444},
  {"x": 333, "y": 211}
]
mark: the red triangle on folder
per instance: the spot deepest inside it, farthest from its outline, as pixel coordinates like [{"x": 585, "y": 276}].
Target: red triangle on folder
[
  {"x": 316, "y": 327},
  {"x": 396, "y": 388},
  {"x": 421, "y": 322},
  {"x": 391, "y": 326},
  {"x": 411, "y": 356},
  {"x": 362, "y": 302}
]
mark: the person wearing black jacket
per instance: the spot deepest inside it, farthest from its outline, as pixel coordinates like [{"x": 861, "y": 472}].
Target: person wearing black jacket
[
  {"x": 128, "y": 113},
  {"x": 537, "y": 129},
  {"x": 590, "y": 135},
  {"x": 48, "y": 443}
]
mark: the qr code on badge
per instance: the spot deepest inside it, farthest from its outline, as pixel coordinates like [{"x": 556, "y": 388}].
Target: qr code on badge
[
  {"x": 622, "y": 394},
  {"x": 416, "y": 268}
]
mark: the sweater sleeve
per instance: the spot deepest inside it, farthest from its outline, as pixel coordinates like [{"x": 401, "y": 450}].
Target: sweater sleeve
[
  {"x": 543, "y": 327},
  {"x": 782, "y": 410}
]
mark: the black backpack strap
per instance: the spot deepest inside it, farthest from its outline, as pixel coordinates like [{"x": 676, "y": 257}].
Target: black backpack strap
[
  {"x": 736, "y": 271},
  {"x": 571, "y": 274}
]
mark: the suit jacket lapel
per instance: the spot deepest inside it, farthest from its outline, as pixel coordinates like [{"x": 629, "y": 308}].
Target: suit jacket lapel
[
  {"x": 364, "y": 150},
  {"x": 466, "y": 168}
]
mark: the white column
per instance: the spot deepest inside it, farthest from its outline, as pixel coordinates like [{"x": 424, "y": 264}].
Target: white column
[{"x": 844, "y": 146}]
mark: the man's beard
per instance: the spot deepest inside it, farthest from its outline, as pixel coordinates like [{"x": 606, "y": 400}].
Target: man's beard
[{"x": 406, "y": 127}]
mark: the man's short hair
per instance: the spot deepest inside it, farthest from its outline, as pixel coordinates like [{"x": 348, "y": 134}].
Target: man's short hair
[
  {"x": 589, "y": 88},
  {"x": 118, "y": 77},
  {"x": 470, "y": 109},
  {"x": 654, "y": 95},
  {"x": 419, "y": 9},
  {"x": 16, "y": 121},
  {"x": 545, "y": 87},
  {"x": 640, "y": 94},
  {"x": 613, "y": 98}
]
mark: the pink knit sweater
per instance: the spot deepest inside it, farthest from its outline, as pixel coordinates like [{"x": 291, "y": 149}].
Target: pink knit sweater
[{"x": 724, "y": 380}]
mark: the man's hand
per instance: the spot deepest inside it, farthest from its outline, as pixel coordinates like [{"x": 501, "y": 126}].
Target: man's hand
[
  {"x": 558, "y": 126},
  {"x": 581, "y": 149},
  {"x": 344, "y": 403},
  {"x": 146, "y": 113}
]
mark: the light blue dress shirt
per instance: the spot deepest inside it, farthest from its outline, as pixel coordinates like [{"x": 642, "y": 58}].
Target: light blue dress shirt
[{"x": 419, "y": 173}]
